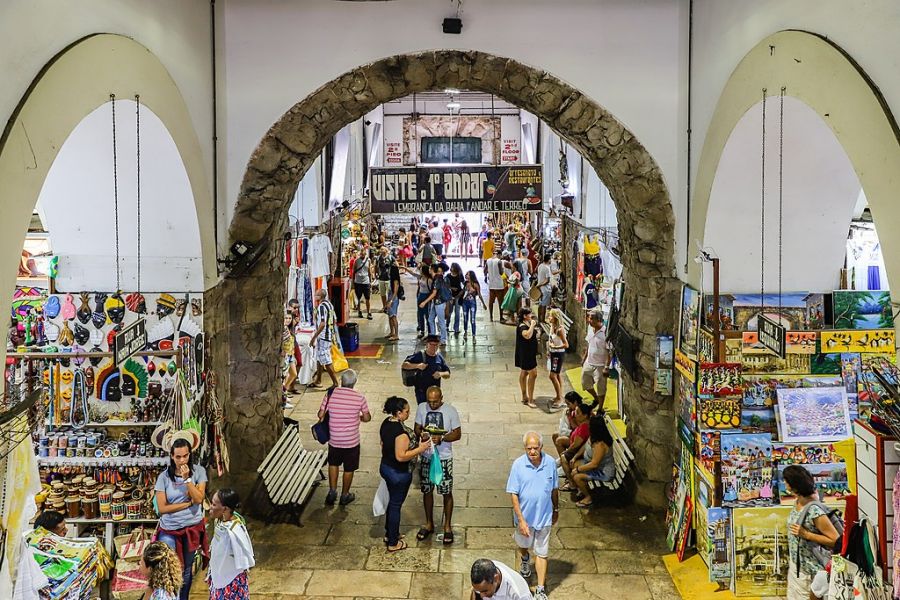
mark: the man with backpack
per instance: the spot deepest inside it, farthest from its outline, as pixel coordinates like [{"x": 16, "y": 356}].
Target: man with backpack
[
  {"x": 438, "y": 303},
  {"x": 430, "y": 366}
]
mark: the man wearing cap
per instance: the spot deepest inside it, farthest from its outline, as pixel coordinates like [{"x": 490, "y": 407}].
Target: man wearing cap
[
  {"x": 595, "y": 360},
  {"x": 431, "y": 366},
  {"x": 322, "y": 339}
]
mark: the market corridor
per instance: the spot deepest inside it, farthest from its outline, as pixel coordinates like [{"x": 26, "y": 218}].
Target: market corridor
[{"x": 338, "y": 553}]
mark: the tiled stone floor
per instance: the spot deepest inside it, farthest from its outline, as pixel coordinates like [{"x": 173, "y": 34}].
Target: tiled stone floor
[{"x": 604, "y": 553}]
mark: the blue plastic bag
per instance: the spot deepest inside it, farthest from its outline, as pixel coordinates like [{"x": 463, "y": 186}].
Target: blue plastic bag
[{"x": 435, "y": 470}]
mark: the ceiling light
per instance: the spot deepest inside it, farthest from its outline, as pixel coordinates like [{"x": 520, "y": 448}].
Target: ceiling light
[{"x": 451, "y": 91}]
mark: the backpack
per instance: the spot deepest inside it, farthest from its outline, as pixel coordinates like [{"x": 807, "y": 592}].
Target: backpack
[
  {"x": 822, "y": 554},
  {"x": 444, "y": 295}
]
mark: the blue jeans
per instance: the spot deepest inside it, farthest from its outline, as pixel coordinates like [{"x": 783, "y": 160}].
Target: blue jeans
[
  {"x": 422, "y": 313},
  {"x": 398, "y": 487},
  {"x": 187, "y": 560},
  {"x": 470, "y": 308},
  {"x": 437, "y": 322},
  {"x": 455, "y": 311}
]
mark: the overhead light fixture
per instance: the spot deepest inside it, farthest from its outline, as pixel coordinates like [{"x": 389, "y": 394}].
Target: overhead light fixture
[
  {"x": 451, "y": 91},
  {"x": 453, "y": 105}
]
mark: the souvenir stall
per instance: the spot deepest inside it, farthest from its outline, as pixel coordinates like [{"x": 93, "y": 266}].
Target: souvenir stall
[{"x": 796, "y": 378}]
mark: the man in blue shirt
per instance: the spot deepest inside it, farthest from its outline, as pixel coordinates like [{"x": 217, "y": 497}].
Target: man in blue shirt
[
  {"x": 431, "y": 366},
  {"x": 534, "y": 486}
]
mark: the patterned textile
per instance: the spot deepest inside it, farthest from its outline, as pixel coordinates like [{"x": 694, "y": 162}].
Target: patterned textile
[{"x": 238, "y": 589}]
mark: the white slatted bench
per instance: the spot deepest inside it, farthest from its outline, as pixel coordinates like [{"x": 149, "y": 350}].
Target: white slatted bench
[
  {"x": 622, "y": 456},
  {"x": 289, "y": 473}
]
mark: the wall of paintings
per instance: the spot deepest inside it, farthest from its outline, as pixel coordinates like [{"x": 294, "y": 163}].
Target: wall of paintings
[{"x": 746, "y": 413}]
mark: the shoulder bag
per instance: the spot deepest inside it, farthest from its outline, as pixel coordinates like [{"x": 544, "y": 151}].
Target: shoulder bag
[
  {"x": 411, "y": 375},
  {"x": 320, "y": 430}
]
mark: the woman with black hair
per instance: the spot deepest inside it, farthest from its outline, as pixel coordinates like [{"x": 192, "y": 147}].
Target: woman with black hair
[
  {"x": 424, "y": 288},
  {"x": 811, "y": 533},
  {"x": 231, "y": 553},
  {"x": 598, "y": 462},
  {"x": 399, "y": 447},
  {"x": 526, "y": 355},
  {"x": 180, "y": 490},
  {"x": 52, "y": 521}
]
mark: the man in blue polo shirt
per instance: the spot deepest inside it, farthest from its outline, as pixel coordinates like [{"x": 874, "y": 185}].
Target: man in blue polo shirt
[{"x": 534, "y": 486}]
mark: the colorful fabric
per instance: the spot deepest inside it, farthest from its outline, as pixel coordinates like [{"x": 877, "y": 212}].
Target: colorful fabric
[
  {"x": 808, "y": 563},
  {"x": 238, "y": 589}
]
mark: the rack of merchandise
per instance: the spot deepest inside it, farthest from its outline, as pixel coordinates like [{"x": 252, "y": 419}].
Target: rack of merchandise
[{"x": 750, "y": 404}]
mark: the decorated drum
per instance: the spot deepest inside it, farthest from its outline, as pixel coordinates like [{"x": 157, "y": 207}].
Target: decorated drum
[{"x": 133, "y": 509}]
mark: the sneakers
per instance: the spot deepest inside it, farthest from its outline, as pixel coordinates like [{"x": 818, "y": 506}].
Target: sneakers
[
  {"x": 359, "y": 315},
  {"x": 540, "y": 594},
  {"x": 525, "y": 568},
  {"x": 331, "y": 497},
  {"x": 288, "y": 406},
  {"x": 347, "y": 499}
]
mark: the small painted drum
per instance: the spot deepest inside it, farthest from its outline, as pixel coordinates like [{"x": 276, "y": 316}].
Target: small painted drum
[
  {"x": 104, "y": 510},
  {"x": 105, "y": 495},
  {"x": 89, "y": 506},
  {"x": 133, "y": 509},
  {"x": 117, "y": 509}
]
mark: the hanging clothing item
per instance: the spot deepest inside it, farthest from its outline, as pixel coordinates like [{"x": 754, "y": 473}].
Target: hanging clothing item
[
  {"x": 592, "y": 264},
  {"x": 319, "y": 251},
  {"x": 874, "y": 278},
  {"x": 591, "y": 244}
]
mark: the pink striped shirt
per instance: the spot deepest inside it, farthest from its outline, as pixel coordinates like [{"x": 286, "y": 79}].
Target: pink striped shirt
[{"x": 344, "y": 408}]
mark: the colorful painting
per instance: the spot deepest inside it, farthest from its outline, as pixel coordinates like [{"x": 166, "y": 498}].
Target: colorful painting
[
  {"x": 814, "y": 414},
  {"x": 684, "y": 530},
  {"x": 726, "y": 311},
  {"x": 850, "y": 369},
  {"x": 825, "y": 364},
  {"x": 733, "y": 349},
  {"x": 706, "y": 349},
  {"x": 701, "y": 507},
  {"x": 718, "y": 530},
  {"x": 800, "y": 342},
  {"x": 690, "y": 322},
  {"x": 760, "y": 550},
  {"x": 815, "y": 311},
  {"x": 759, "y": 419},
  {"x": 719, "y": 379},
  {"x": 709, "y": 453},
  {"x": 750, "y": 344},
  {"x": 843, "y": 452},
  {"x": 685, "y": 365},
  {"x": 678, "y": 501},
  {"x": 790, "y": 310},
  {"x": 791, "y": 364},
  {"x": 687, "y": 402},
  {"x": 718, "y": 413},
  {"x": 747, "y": 469},
  {"x": 869, "y": 340},
  {"x": 831, "y": 481},
  {"x": 760, "y": 390},
  {"x": 856, "y": 309}
]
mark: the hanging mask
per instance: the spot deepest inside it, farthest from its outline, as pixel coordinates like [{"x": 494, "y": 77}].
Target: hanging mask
[
  {"x": 45, "y": 376},
  {"x": 82, "y": 335},
  {"x": 65, "y": 336},
  {"x": 111, "y": 337},
  {"x": 52, "y": 307},
  {"x": 89, "y": 377},
  {"x": 98, "y": 318},
  {"x": 165, "y": 345},
  {"x": 136, "y": 303},
  {"x": 154, "y": 389},
  {"x": 66, "y": 394},
  {"x": 65, "y": 361},
  {"x": 196, "y": 307},
  {"x": 180, "y": 307},
  {"x": 165, "y": 305},
  {"x": 84, "y": 311},
  {"x": 115, "y": 308},
  {"x": 96, "y": 337},
  {"x": 51, "y": 331},
  {"x": 95, "y": 360},
  {"x": 66, "y": 377},
  {"x": 162, "y": 369},
  {"x": 111, "y": 390},
  {"x": 78, "y": 360},
  {"x": 151, "y": 368},
  {"x": 128, "y": 386},
  {"x": 68, "y": 308},
  {"x": 172, "y": 367},
  {"x": 198, "y": 357}
]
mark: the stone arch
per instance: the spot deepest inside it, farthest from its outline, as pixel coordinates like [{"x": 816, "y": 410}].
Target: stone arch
[
  {"x": 824, "y": 77},
  {"x": 249, "y": 318},
  {"x": 72, "y": 85}
]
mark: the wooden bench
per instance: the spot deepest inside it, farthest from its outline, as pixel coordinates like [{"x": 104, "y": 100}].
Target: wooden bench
[
  {"x": 288, "y": 475},
  {"x": 622, "y": 456}
]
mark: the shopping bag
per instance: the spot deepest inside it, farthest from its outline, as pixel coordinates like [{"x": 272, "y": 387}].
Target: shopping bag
[
  {"x": 338, "y": 361},
  {"x": 435, "y": 470},
  {"x": 379, "y": 505},
  {"x": 130, "y": 546},
  {"x": 840, "y": 585},
  {"x": 320, "y": 430},
  {"x": 871, "y": 587},
  {"x": 128, "y": 583}
]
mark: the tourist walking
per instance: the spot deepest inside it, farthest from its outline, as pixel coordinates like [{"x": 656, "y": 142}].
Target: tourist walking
[
  {"x": 526, "y": 355},
  {"x": 470, "y": 299},
  {"x": 161, "y": 568},
  {"x": 231, "y": 552},
  {"x": 288, "y": 361},
  {"x": 399, "y": 446},
  {"x": 544, "y": 284},
  {"x": 493, "y": 274},
  {"x": 595, "y": 360},
  {"x": 811, "y": 536},
  {"x": 346, "y": 409},
  {"x": 424, "y": 287},
  {"x": 523, "y": 267},
  {"x": 431, "y": 367},
  {"x": 455, "y": 279},
  {"x": 533, "y": 484},
  {"x": 441, "y": 422},
  {"x": 598, "y": 462},
  {"x": 395, "y": 295},
  {"x": 437, "y": 235},
  {"x": 465, "y": 239},
  {"x": 556, "y": 354},
  {"x": 440, "y": 301},
  {"x": 383, "y": 270},
  {"x": 495, "y": 580},
  {"x": 323, "y": 338},
  {"x": 180, "y": 490},
  {"x": 362, "y": 282},
  {"x": 485, "y": 245}
]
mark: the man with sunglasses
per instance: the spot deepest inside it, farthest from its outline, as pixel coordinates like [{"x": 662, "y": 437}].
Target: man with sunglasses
[{"x": 493, "y": 579}]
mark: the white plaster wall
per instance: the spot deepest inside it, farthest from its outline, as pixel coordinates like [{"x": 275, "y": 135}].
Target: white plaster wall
[
  {"x": 78, "y": 205},
  {"x": 628, "y": 56}
]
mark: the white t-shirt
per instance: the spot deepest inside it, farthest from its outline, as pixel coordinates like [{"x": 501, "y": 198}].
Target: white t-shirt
[
  {"x": 597, "y": 354},
  {"x": 437, "y": 235},
  {"x": 543, "y": 274},
  {"x": 445, "y": 417},
  {"x": 319, "y": 249},
  {"x": 512, "y": 586},
  {"x": 494, "y": 275}
]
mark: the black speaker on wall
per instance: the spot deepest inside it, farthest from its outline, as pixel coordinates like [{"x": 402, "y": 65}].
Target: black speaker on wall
[{"x": 453, "y": 25}]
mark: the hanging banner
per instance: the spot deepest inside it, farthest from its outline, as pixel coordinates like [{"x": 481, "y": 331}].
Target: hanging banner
[
  {"x": 438, "y": 189},
  {"x": 771, "y": 335}
]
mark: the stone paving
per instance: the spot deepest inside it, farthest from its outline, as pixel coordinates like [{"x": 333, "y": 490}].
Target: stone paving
[{"x": 604, "y": 553}]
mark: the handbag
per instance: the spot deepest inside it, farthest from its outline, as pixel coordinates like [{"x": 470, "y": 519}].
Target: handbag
[
  {"x": 338, "y": 360},
  {"x": 128, "y": 583},
  {"x": 382, "y": 497},
  {"x": 535, "y": 293},
  {"x": 409, "y": 376},
  {"x": 320, "y": 431},
  {"x": 131, "y": 546}
]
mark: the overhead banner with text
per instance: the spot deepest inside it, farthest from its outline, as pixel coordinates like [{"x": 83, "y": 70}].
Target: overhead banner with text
[{"x": 456, "y": 189}]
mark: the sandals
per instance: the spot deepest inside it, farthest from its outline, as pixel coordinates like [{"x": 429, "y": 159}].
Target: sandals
[
  {"x": 424, "y": 534},
  {"x": 401, "y": 545},
  {"x": 385, "y": 540},
  {"x": 583, "y": 504},
  {"x": 567, "y": 487},
  {"x": 556, "y": 406},
  {"x": 448, "y": 538},
  {"x": 531, "y": 404}
]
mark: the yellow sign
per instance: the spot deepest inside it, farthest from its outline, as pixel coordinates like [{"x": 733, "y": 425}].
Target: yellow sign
[
  {"x": 685, "y": 365},
  {"x": 864, "y": 340}
]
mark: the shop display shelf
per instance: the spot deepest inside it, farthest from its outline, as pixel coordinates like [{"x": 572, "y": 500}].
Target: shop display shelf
[
  {"x": 120, "y": 461},
  {"x": 112, "y": 423},
  {"x": 83, "y": 521}
]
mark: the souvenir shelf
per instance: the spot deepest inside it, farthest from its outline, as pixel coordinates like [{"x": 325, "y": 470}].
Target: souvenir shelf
[
  {"x": 124, "y": 461},
  {"x": 114, "y": 423},
  {"x": 877, "y": 462}
]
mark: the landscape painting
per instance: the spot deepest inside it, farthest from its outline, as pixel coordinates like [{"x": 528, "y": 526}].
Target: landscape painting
[
  {"x": 690, "y": 322},
  {"x": 789, "y": 310},
  {"x": 814, "y": 414},
  {"x": 857, "y": 309},
  {"x": 759, "y": 419},
  {"x": 760, "y": 550},
  {"x": 831, "y": 479}
]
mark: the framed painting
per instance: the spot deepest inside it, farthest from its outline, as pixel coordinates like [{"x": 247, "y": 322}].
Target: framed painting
[
  {"x": 814, "y": 414},
  {"x": 689, "y": 324},
  {"x": 747, "y": 478},
  {"x": 719, "y": 379},
  {"x": 858, "y": 309},
  {"x": 760, "y": 550}
]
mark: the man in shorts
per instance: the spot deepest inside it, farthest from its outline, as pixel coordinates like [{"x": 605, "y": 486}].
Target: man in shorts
[
  {"x": 544, "y": 284},
  {"x": 346, "y": 409},
  {"x": 323, "y": 338},
  {"x": 534, "y": 487},
  {"x": 362, "y": 282},
  {"x": 436, "y": 416},
  {"x": 595, "y": 360}
]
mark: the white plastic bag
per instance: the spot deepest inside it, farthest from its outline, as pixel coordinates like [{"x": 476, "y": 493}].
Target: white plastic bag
[
  {"x": 379, "y": 505},
  {"x": 564, "y": 429}
]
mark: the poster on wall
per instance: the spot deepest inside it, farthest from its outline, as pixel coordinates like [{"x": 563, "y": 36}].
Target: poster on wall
[
  {"x": 719, "y": 379},
  {"x": 718, "y": 530},
  {"x": 760, "y": 550},
  {"x": 456, "y": 189},
  {"x": 718, "y": 413},
  {"x": 747, "y": 469},
  {"x": 665, "y": 362},
  {"x": 689, "y": 326},
  {"x": 857, "y": 309},
  {"x": 814, "y": 414},
  {"x": 790, "y": 310},
  {"x": 869, "y": 340}
]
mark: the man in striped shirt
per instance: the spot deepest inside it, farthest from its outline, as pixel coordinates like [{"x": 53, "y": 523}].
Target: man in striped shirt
[{"x": 346, "y": 409}]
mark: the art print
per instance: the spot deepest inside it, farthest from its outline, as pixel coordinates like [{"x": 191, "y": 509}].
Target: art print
[
  {"x": 825, "y": 364},
  {"x": 763, "y": 364},
  {"x": 690, "y": 322},
  {"x": 869, "y": 340},
  {"x": 857, "y": 309},
  {"x": 790, "y": 310},
  {"x": 760, "y": 550},
  {"x": 687, "y": 399},
  {"x": 718, "y": 413},
  {"x": 832, "y": 482},
  {"x": 719, "y": 379},
  {"x": 709, "y": 453},
  {"x": 681, "y": 486},
  {"x": 733, "y": 350},
  {"x": 867, "y": 382},
  {"x": 684, "y": 529},
  {"x": 814, "y": 414},
  {"x": 706, "y": 349},
  {"x": 750, "y": 344},
  {"x": 700, "y": 526},
  {"x": 801, "y": 342},
  {"x": 685, "y": 365},
  {"x": 850, "y": 369},
  {"x": 759, "y": 419},
  {"x": 747, "y": 469},
  {"x": 760, "y": 390},
  {"x": 726, "y": 311},
  {"x": 718, "y": 533}
]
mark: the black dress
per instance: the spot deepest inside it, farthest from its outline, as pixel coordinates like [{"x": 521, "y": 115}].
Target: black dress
[{"x": 526, "y": 349}]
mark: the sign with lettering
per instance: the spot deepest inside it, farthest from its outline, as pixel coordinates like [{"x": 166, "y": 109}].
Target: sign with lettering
[
  {"x": 130, "y": 341},
  {"x": 771, "y": 335},
  {"x": 438, "y": 189}
]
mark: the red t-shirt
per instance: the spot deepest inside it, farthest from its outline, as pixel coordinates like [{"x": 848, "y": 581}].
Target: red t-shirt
[{"x": 581, "y": 432}]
